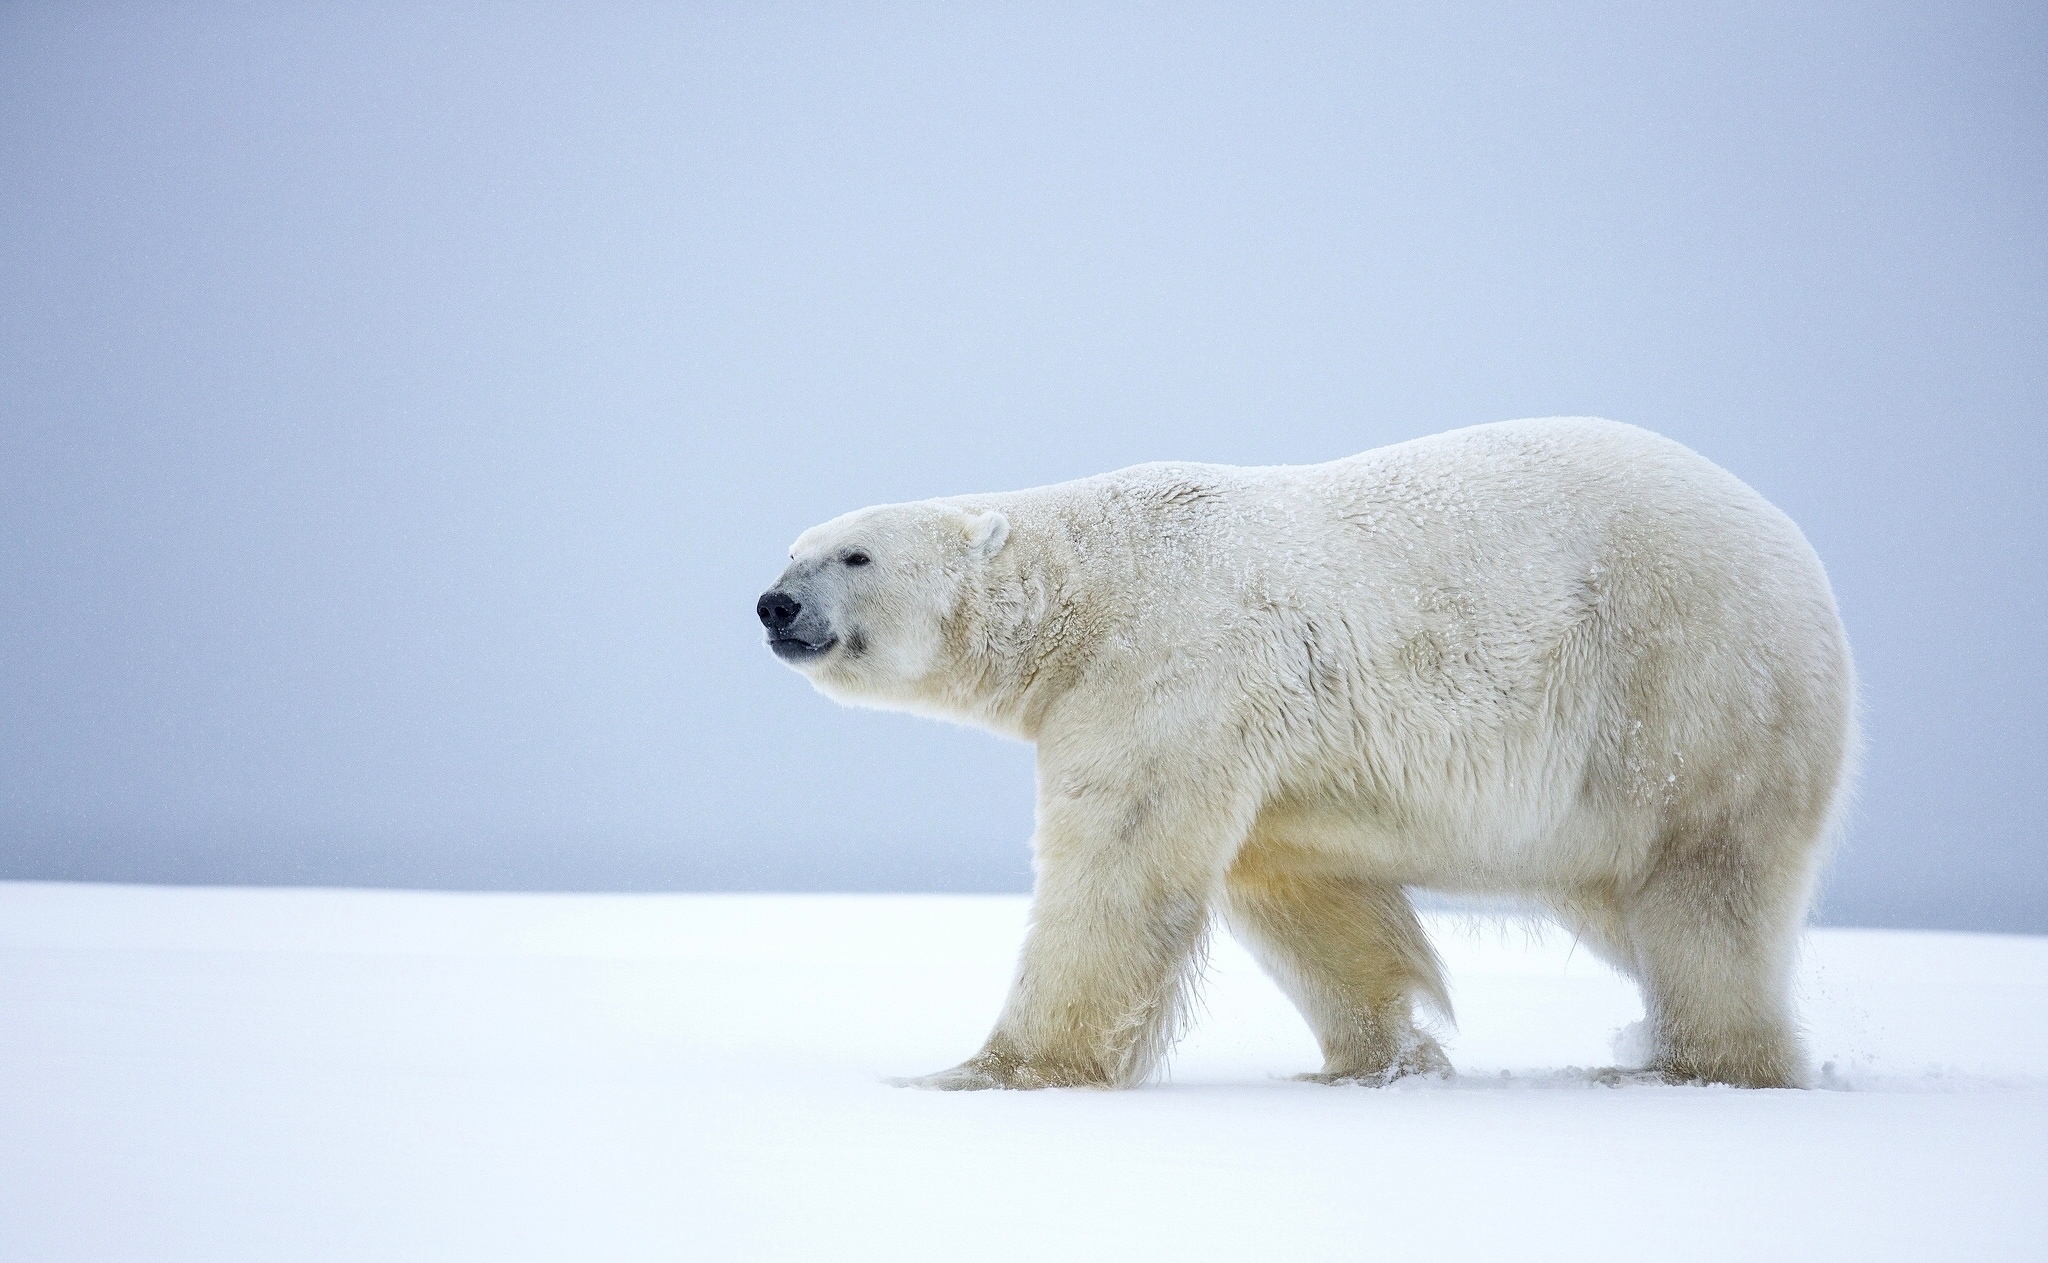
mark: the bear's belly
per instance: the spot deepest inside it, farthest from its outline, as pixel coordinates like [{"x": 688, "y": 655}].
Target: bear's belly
[{"x": 1501, "y": 843}]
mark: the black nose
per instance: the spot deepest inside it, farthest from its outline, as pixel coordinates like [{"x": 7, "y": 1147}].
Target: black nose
[{"x": 777, "y": 611}]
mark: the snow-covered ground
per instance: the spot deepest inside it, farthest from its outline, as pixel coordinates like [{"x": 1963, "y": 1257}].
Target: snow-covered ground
[{"x": 305, "y": 1075}]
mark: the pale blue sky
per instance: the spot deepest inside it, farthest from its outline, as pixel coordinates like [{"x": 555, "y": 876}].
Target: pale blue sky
[{"x": 401, "y": 407}]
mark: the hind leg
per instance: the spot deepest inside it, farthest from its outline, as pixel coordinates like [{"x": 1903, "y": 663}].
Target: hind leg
[
  {"x": 1349, "y": 953},
  {"x": 1713, "y": 933}
]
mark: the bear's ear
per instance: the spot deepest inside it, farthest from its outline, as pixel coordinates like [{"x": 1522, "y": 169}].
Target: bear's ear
[{"x": 986, "y": 532}]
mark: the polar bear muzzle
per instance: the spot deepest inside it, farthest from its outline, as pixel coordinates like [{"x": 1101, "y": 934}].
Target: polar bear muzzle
[{"x": 792, "y": 636}]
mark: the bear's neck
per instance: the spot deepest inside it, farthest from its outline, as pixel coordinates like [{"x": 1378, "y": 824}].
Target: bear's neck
[{"x": 1022, "y": 638}]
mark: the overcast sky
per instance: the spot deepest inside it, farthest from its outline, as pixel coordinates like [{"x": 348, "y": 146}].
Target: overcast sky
[{"x": 400, "y": 408}]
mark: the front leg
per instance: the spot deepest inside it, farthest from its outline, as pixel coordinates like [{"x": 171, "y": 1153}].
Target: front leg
[
  {"x": 1124, "y": 882},
  {"x": 1348, "y": 951}
]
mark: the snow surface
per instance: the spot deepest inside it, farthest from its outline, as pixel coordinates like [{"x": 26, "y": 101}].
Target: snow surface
[{"x": 315, "y": 1074}]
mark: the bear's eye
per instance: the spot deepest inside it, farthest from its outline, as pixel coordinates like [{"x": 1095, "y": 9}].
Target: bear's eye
[{"x": 856, "y": 559}]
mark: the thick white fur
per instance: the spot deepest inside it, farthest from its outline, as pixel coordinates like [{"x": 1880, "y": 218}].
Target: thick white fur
[{"x": 1562, "y": 659}]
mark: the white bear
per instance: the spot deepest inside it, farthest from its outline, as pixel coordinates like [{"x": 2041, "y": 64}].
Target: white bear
[{"x": 1565, "y": 660}]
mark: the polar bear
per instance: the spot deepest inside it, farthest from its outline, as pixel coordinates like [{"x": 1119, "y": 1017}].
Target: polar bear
[{"x": 1565, "y": 660}]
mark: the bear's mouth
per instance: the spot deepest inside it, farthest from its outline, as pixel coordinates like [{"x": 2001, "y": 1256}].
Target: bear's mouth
[{"x": 797, "y": 649}]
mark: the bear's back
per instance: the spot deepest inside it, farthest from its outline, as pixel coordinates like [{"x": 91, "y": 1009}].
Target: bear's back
[{"x": 1522, "y": 600}]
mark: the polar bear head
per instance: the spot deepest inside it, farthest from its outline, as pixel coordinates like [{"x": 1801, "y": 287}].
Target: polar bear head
[{"x": 865, "y": 606}]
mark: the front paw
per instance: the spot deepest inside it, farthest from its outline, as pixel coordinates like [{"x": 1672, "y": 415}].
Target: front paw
[
  {"x": 968, "y": 1076},
  {"x": 1421, "y": 1056},
  {"x": 990, "y": 1069},
  {"x": 1633, "y": 1076}
]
